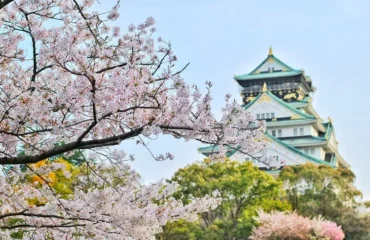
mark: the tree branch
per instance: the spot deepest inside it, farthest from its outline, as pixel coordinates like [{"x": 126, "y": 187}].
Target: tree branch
[{"x": 70, "y": 147}]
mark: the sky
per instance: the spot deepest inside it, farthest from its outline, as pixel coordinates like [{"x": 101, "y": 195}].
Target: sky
[{"x": 329, "y": 39}]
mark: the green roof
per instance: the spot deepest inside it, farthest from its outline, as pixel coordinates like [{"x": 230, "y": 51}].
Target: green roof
[
  {"x": 300, "y": 103},
  {"x": 209, "y": 149},
  {"x": 290, "y": 122},
  {"x": 319, "y": 161},
  {"x": 267, "y": 75},
  {"x": 304, "y": 141},
  {"x": 329, "y": 130},
  {"x": 260, "y": 73},
  {"x": 214, "y": 149}
]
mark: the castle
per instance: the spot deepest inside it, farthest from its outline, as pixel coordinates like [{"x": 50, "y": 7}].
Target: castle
[{"x": 296, "y": 134}]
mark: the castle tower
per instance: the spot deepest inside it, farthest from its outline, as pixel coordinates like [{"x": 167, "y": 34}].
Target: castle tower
[{"x": 281, "y": 96}]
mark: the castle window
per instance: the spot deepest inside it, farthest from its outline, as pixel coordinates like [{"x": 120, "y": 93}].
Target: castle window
[
  {"x": 273, "y": 132},
  {"x": 306, "y": 150},
  {"x": 312, "y": 150},
  {"x": 267, "y": 115},
  {"x": 272, "y": 115},
  {"x": 280, "y": 133},
  {"x": 258, "y": 116},
  {"x": 329, "y": 157},
  {"x": 301, "y": 131},
  {"x": 262, "y": 116},
  {"x": 295, "y": 131}
]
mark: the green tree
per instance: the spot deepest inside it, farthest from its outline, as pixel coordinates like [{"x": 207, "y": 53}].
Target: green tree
[
  {"x": 243, "y": 190},
  {"x": 322, "y": 190}
]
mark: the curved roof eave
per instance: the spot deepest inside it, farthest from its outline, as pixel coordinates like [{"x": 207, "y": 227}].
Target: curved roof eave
[
  {"x": 248, "y": 77},
  {"x": 312, "y": 159}
]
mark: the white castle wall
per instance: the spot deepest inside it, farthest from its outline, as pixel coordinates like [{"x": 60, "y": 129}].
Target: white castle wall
[
  {"x": 289, "y": 132},
  {"x": 273, "y": 150},
  {"x": 270, "y": 107},
  {"x": 318, "y": 152}
]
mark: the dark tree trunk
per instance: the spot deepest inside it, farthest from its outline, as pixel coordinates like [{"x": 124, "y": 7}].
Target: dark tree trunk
[{"x": 3, "y": 3}]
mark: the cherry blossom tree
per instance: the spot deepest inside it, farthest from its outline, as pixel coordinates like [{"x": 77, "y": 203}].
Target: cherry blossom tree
[
  {"x": 98, "y": 207},
  {"x": 70, "y": 81},
  {"x": 87, "y": 85}
]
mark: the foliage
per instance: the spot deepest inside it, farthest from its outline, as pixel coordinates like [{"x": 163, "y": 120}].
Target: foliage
[
  {"x": 355, "y": 225},
  {"x": 291, "y": 226},
  {"x": 242, "y": 188},
  {"x": 60, "y": 180},
  {"x": 329, "y": 192}
]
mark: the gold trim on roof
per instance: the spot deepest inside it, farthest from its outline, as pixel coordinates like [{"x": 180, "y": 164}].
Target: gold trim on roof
[
  {"x": 264, "y": 87},
  {"x": 264, "y": 98},
  {"x": 270, "y": 51},
  {"x": 295, "y": 116},
  {"x": 330, "y": 120}
]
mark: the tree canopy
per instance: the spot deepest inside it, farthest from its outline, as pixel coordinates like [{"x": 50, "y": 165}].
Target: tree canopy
[
  {"x": 243, "y": 190},
  {"x": 328, "y": 192}
]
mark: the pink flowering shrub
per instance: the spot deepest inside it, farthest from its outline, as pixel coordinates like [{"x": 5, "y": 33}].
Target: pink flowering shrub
[
  {"x": 331, "y": 230},
  {"x": 280, "y": 225}
]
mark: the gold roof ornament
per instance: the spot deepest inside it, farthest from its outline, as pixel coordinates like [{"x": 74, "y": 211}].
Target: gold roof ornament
[
  {"x": 270, "y": 51},
  {"x": 264, "y": 87},
  {"x": 330, "y": 120},
  {"x": 295, "y": 116}
]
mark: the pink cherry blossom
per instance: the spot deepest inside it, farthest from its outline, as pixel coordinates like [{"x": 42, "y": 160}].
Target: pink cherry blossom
[
  {"x": 67, "y": 75},
  {"x": 280, "y": 225},
  {"x": 90, "y": 87}
]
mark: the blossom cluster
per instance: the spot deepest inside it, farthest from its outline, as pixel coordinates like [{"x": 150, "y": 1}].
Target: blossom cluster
[
  {"x": 88, "y": 84},
  {"x": 72, "y": 80},
  {"x": 99, "y": 207},
  {"x": 280, "y": 225}
]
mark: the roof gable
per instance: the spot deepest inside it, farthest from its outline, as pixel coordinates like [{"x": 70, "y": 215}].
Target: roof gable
[
  {"x": 267, "y": 102},
  {"x": 271, "y": 63},
  {"x": 295, "y": 150},
  {"x": 271, "y": 67}
]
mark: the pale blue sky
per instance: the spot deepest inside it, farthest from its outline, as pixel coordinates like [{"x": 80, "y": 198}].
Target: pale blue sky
[{"x": 329, "y": 39}]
